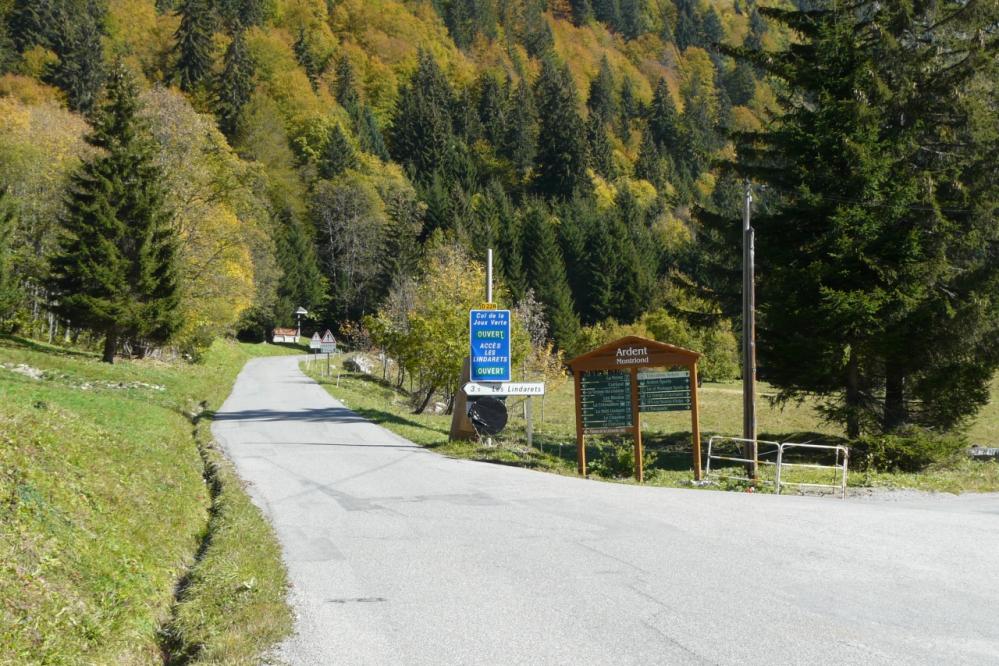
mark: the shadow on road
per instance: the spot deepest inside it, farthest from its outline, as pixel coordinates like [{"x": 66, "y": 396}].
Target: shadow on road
[{"x": 316, "y": 415}]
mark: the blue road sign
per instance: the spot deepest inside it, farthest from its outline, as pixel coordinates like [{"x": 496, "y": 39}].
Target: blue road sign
[{"x": 490, "y": 345}]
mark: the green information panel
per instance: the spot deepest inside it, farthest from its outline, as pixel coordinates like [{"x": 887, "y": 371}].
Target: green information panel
[
  {"x": 664, "y": 391},
  {"x": 606, "y": 400}
]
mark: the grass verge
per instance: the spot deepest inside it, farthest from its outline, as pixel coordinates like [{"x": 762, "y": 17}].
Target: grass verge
[
  {"x": 666, "y": 436},
  {"x": 104, "y": 507}
]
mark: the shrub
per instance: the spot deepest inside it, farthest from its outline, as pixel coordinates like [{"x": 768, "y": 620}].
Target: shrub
[
  {"x": 910, "y": 451},
  {"x": 618, "y": 461}
]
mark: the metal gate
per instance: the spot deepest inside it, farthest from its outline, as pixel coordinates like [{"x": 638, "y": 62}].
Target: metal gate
[{"x": 780, "y": 464}]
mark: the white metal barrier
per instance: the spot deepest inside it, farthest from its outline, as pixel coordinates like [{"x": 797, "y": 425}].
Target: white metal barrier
[
  {"x": 757, "y": 458},
  {"x": 839, "y": 469}
]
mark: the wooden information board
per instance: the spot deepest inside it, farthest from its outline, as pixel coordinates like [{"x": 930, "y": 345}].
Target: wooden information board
[
  {"x": 664, "y": 391},
  {"x": 606, "y": 398},
  {"x": 618, "y": 381}
]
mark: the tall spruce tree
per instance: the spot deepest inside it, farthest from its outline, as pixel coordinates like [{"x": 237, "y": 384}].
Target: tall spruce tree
[
  {"x": 521, "y": 144},
  {"x": 423, "y": 136},
  {"x": 881, "y": 277},
  {"x": 338, "y": 154},
  {"x": 608, "y": 11},
  {"x": 345, "y": 86},
  {"x": 370, "y": 135},
  {"x": 114, "y": 273},
  {"x": 602, "y": 100},
  {"x": 310, "y": 62},
  {"x": 193, "y": 43},
  {"x": 235, "y": 84},
  {"x": 73, "y": 32},
  {"x": 562, "y": 155},
  {"x": 546, "y": 274},
  {"x": 664, "y": 121},
  {"x": 302, "y": 283}
]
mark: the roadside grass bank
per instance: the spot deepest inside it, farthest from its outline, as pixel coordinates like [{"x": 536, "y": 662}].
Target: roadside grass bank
[
  {"x": 666, "y": 436},
  {"x": 123, "y": 538}
]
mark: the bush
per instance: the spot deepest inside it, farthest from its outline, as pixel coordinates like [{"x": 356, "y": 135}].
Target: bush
[
  {"x": 910, "y": 451},
  {"x": 618, "y": 461}
]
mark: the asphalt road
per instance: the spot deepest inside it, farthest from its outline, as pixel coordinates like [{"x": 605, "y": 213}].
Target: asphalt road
[{"x": 400, "y": 556}]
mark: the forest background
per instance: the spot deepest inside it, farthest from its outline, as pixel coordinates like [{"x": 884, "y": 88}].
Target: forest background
[{"x": 357, "y": 158}]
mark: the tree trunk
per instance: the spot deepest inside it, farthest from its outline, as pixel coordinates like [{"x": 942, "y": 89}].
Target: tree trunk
[
  {"x": 895, "y": 412},
  {"x": 110, "y": 346},
  {"x": 853, "y": 395},
  {"x": 426, "y": 400}
]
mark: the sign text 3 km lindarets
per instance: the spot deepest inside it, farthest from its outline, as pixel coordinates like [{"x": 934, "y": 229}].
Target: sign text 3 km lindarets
[{"x": 490, "y": 345}]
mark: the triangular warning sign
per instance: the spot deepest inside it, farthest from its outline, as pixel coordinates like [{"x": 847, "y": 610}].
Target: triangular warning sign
[
  {"x": 315, "y": 336},
  {"x": 328, "y": 337}
]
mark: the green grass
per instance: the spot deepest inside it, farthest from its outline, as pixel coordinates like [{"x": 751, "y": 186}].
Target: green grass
[
  {"x": 104, "y": 508},
  {"x": 666, "y": 436}
]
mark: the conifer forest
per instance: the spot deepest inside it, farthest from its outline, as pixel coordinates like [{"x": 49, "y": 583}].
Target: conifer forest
[{"x": 174, "y": 171}]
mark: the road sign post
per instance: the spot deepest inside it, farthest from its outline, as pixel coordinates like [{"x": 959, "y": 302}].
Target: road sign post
[
  {"x": 490, "y": 345},
  {"x": 327, "y": 345}
]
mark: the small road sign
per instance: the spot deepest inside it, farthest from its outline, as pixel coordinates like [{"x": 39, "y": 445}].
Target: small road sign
[
  {"x": 490, "y": 345},
  {"x": 328, "y": 343},
  {"x": 316, "y": 342},
  {"x": 478, "y": 389}
]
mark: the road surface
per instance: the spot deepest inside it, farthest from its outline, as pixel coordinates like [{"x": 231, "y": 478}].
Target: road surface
[{"x": 400, "y": 556}]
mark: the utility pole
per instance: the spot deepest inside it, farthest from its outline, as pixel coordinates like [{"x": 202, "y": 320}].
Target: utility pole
[
  {"x": 489, "y": 276},
  {"x": 749, "y": 336}
]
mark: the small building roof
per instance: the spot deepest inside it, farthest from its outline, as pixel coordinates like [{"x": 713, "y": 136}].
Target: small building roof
[
  {"x": 285, "y": 331},
  {"x": 633, "y": 351}
]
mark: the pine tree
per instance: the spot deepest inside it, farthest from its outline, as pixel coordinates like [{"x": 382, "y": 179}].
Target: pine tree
[
  {"x": 608, "y": 11},
  {"x": 370, "y": 136},
  {"x": 423, "y": 136},
  {"x": 688, "y": 28},
  {"x": 757, "y": 29},
  {"x": 521, "y": 143},
  {"x": 345, "y": 87},
  {"x": 459, "y": 19},
  {"x": 582, "y": 12},
  {"x": 599, "y": 148},
  {"x": 80, "y": 69},
  {"x": 309, "y": 61},
  {"x": 664, "y": 121},
  {"x": 193, "y": 43},
  {"x": 509, "y": 242},
  {"x": 546, "y": 275},
  {"x": 235, "y": 85},
  {"x": 873, "y": 256},
  {"x": 73, "y": 33},
  {"x": 712, "y": 32},
  {"x": 114, "y": 273},
  {"x": 561, "y": 159},
  {"x": 740, "y": 84},
  {"x": 630, "y": 106},
  {"x": 602, "y": 100},
  {"x": 633, "y": 21},
  {"x": 302, "y": 283},
  {"x": 492, "y": 109},
  {"x": 576, "y": 220},
  {"x": 338, "y": 154}
]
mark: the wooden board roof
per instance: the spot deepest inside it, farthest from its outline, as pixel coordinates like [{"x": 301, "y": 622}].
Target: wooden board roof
[{"x": 633, "y": 351}]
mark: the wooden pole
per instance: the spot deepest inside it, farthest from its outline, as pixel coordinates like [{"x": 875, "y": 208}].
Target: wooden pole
[
  {"x": 695, "y": 422},
  {"x": 636, "y": 424},
  {"x": 530, "y": 422},
  {"x": 580, "y": 448},
  {"x": 749, "y": 336}
]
